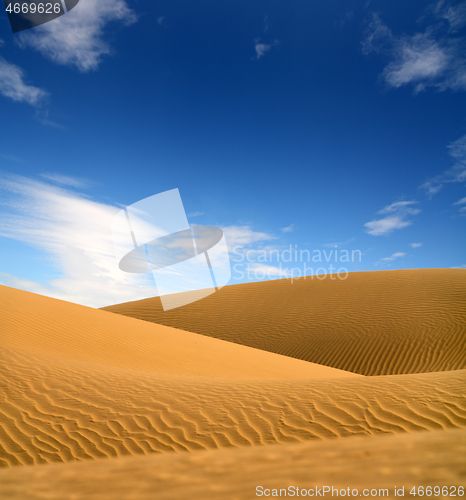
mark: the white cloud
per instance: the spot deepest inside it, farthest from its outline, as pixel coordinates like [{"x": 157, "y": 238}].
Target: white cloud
[
  {"x": 243, "y": 236},
  {"x": 12, "y": 85},
  {"x": 160, "y": 20},
  {"x": 418, "y": 59},
  {"x": 377, "y": 36},
  {"x": 394, "y": 256},
  {"x": 415, "y": 245},
  {"x": 401, "y": 206},
  {"x": 455, "y": 15},
  {"x": 261, "y": 49},
  {"x": 396, "y": 218},
  {"x": 457, "y": 173},
  {"x": 463, "y": 266},
  {"x": 423, "y": 59},
  {"x": 77, "y": 38},
  {"x": 195, "y": 214},
  {"x": 66, "y": 180},
  {"x": 288, "y": 229},
  {"x": 386, "y": 225},
  {"x": 74, "y": 234}
]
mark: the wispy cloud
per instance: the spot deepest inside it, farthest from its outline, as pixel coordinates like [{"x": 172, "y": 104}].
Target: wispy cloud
[
  {"x": 195, "y": 214},
  {"x": 14, "y": 86},
  {"x": 243, "y": 236},
  {"x": 463, "y": 266},
  {"x": 415, "y": 245},
  {"x": 396, "y": 218},
  {"x": 461, "y": 202},
  {"x": 434, "y": 57},
  {"x": 394, "y": 256},
  {"x": 457, "y": 173},
  {"x": 160, "y": 20},
  {"x": 262, "y": 48},
  {"x": 77, "y": 39},
  {"x": 288, "y": 229},
  {"x": 266, "y": 23},
  {"x": 455, "y": 15},
  {"x": 74, "y": 235},
  {"x": 66, "y": 180},
  {"x": 378, "y": 37}
]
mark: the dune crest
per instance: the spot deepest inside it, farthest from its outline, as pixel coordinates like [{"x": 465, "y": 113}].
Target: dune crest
[
  {"x": 372, "y": 323},
  {"x": 44, "y": 326}
]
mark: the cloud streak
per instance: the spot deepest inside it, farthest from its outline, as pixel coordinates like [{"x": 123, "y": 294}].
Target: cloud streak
[
  {"x": 396, "y": 217},
  {"x": 66, "y": 180},
  {"x": 394, "y": 256},
  {"x": 13, "y": 85},
  {"x": 457, "y": 173},
  {"x": 288, "y": 229}
]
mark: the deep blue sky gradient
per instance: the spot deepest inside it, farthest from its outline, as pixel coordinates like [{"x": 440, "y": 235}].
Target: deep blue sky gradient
[{"x": 309, "y": 134}]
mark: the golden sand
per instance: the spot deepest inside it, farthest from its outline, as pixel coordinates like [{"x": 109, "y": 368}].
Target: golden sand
[
  {"x": 372, "y": 323},
  {"x": 154, "y": 411}
]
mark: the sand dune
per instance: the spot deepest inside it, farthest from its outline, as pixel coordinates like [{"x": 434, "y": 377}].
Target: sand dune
[
  {"x": 153, "y": 411},
  {"x": 383, "y": 462},
  {"x": 57, "y": 410},
  {"x": 372, "y": 323},
  {"x": 41, "y": 325}
]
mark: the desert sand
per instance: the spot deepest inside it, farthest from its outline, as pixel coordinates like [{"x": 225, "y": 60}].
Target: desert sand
[
  {"x": 378, "y": 463},
  {"x": 102, "y": 405},
  {"x": 372, "y": 323}
]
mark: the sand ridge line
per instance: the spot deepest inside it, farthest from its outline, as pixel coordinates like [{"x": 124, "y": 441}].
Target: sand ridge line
[{"x": 372, "y": 323}]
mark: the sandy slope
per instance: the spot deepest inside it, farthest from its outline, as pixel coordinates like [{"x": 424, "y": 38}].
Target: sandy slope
[
  {"x": 78, "y": 384},
  {"x": 372, "y": 323},
  {"x": 41, "y": 325},
  {"x": 60, "y": 410},
  {"x": 403, "y": 460}
]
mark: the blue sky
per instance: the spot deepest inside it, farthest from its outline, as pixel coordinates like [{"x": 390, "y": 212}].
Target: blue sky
[{"x": 321, "y": 125}]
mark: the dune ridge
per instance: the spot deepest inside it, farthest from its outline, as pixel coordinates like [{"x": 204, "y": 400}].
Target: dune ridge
[
  {"x": 372, "y": 323},
  {"x": 45, "y": 326}
]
